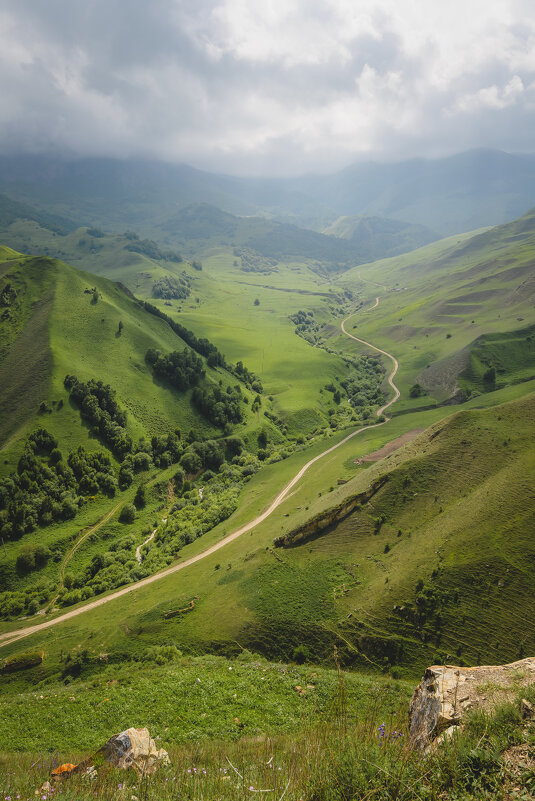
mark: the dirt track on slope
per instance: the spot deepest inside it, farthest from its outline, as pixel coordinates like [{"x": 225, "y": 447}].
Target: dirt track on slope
[{"x": 12, "y": 636}]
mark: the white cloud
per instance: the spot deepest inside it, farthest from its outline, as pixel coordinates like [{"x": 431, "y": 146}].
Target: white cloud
[
  {"x": 286, "y": 85},
  {"x": 491, "y": 97}
]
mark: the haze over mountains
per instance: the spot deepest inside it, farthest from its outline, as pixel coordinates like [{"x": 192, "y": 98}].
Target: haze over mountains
[{"x": 447, "y": 195}]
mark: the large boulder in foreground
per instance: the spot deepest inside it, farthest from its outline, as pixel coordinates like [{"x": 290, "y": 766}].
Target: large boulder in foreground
[{"x": 446, "y": 692}]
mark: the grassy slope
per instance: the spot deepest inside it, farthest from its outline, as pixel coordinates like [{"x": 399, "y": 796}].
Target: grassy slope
[
  {"x": 103, "y": 255},
  {"x": 198, "y": 698},
  {"x": 55, "y": 329},
  {"x": 25, "y": 355},
  {"x": 302, "y": 589},
  {"x": 82, "y": 337},
  {"x": 301, "y": 601},
  {"x": 264, "y": 339},
  {"x": 461, "y": 287},
  {"x": 377, "y": 235}
]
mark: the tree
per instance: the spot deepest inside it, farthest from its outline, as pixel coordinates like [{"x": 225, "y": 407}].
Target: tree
[
  {"x": 121, "y": 326},
  {"x": 126, "y": 476},
  {"x": 191, "y": 462},
  {"x": 128, "y": 513},
  {"x": 141, "y": 461},
  {"x": 179, "y": 477},
  {"x": 140, "y": 499},
  {"x": 417, "y": 391},
  {"x": 256, "y": 302},
  {"x": 235, "y": 445}
]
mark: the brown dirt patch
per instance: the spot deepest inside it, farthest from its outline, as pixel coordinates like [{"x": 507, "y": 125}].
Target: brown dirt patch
[{"x": 390, "y": 447}]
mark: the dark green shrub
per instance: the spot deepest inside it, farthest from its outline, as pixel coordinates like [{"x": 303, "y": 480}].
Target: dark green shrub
[
  {"x": 300, "y": 654},
  {"x": 128, "y": 513}
]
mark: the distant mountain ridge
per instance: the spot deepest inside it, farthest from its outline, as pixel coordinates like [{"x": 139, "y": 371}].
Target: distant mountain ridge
[
  {"x": 201, "y": 224},
  {"x": 380, "y": 234},
  {"x": 448, "y": 195}
]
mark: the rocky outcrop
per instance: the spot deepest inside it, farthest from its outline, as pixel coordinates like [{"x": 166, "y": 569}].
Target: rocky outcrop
[
  {"x": 322, "y": 522},
  {"x": 446, "y": 692},
  {"x": 133, "y": 748}
]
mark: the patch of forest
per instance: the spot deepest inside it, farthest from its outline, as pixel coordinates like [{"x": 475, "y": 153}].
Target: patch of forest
[{"x": 170, "y": 288}]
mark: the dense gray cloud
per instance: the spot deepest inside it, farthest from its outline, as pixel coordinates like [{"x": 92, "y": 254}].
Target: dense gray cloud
[{"x": 284, "y": 86}]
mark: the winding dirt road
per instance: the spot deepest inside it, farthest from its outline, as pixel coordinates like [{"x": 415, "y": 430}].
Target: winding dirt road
[{"x": 12, "y": 636}]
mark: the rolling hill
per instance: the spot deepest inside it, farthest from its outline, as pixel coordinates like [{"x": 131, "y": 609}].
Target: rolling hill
[
  {"x": 439, "y": 301},
  {"x": 58, "y": 320},
  {"x": 441, "y": 524},
  {"x": 196, "y": 229},
  {"x": 376, "y": 235},
  {"x": 458, "y": 193},
  {"x": 387, "y": 545}
]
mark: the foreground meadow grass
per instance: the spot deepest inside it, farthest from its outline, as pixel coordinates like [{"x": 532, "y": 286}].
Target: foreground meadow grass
[{"x": 341, "y": 752}]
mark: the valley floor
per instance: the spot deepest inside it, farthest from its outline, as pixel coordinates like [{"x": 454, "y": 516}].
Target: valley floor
[{"x": 13, "y": 636}]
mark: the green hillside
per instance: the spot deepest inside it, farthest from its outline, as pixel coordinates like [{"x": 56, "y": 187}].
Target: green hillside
[
  {"x": 409, "y": 544},
  {"x": 61, "y": 321},
  {"x": 125, "y": 257},
  {"x": 217, "y": 300},
  {"x": 11, "y": 211},
  {"x": 201, "y": 225},
  {"x": 100, "y": 398},
  {"x": 379, "y": 237},
  {"x": 438, "y": 302},
  {"x": 398, "y": 583}
]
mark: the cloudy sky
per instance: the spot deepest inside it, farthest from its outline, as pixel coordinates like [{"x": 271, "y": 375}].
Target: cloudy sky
[{"x": 268, "y": 87}]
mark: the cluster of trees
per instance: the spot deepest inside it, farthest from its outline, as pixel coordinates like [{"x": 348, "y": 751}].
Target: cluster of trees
[
  {"x": 220, "y": 407},
  {"x": 8, "y": 295},
  {"x": 170, "y": 288},
  {"x": 248, "y": 378},
  {"x": 28, "y": 601},
  {"x": 182, "y": 369},
  {"x": 32, "y": 557},
  {"x": 253, "y": 262},
  {"x": 166, "y": 449},
  {"x": 147, "y": 247},
  {"x": 193, "y": 519},
  {"x": 363, "y": 386},
  {"x": 185, "y": 369},
  {"x": 107, "y": 570},
  {"x": 98, "y": 405},
  {"x": 202, "y": 455},
  {"x": 93, "y": 472},
  {"x": 46, "y": 489},
  {"x": 306, "y": 326},
  {"x": 201, "y": 346}
]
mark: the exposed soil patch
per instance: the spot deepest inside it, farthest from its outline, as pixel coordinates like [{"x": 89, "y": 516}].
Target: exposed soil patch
[{"x": 390, "y": 447}]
